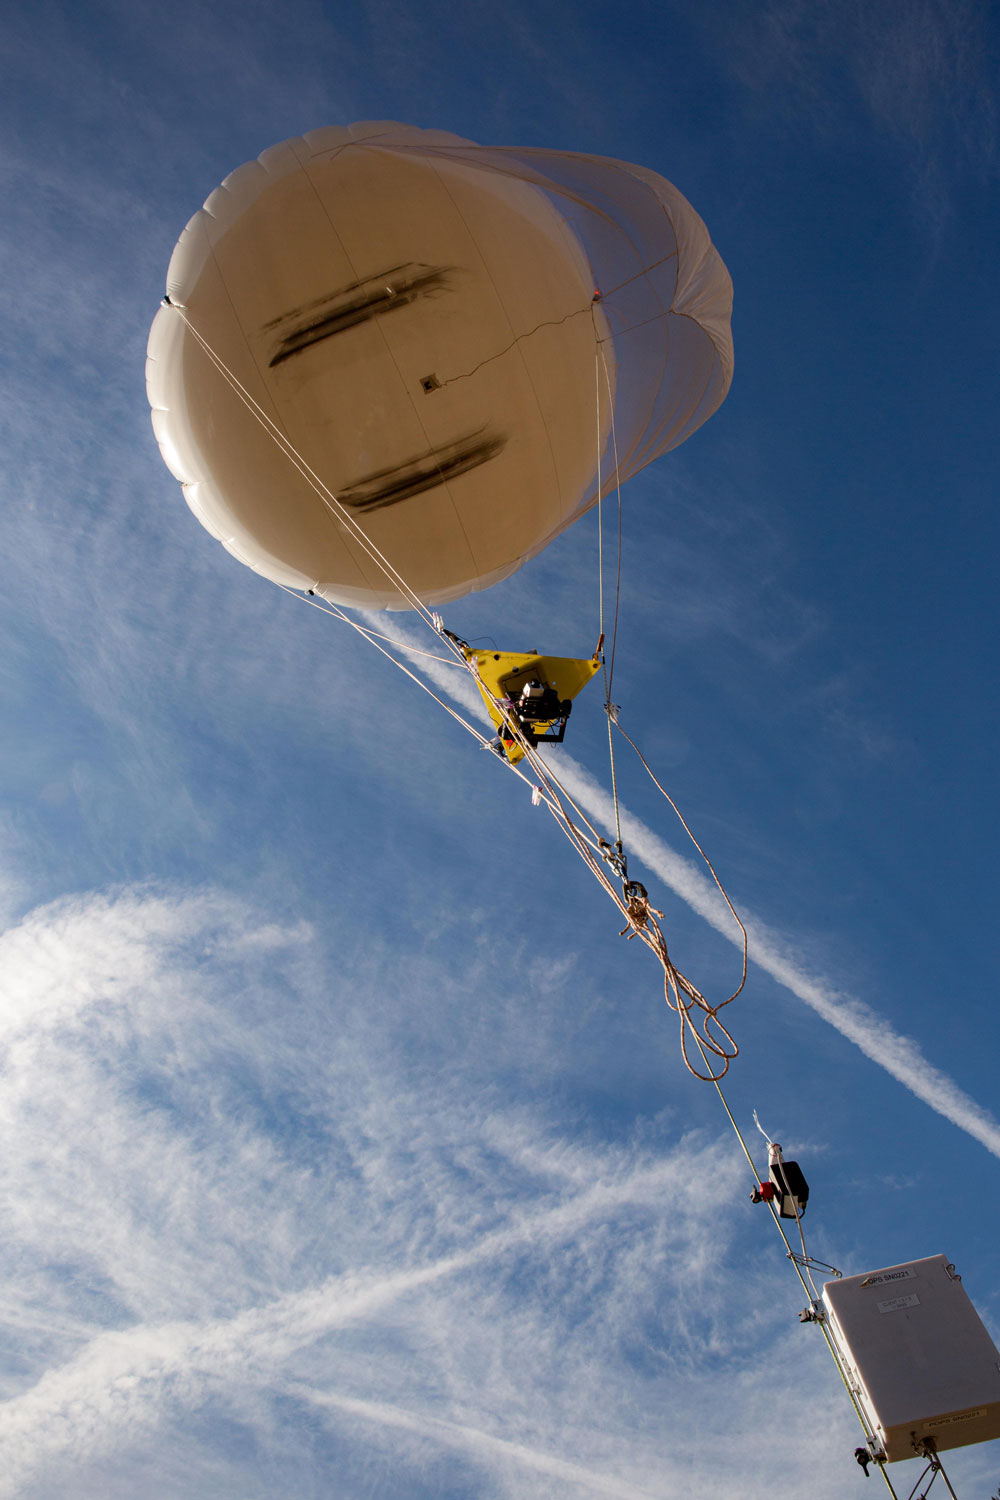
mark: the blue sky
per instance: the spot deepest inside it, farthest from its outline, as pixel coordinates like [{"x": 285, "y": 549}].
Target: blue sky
[{"x": 348, "y": 1149}]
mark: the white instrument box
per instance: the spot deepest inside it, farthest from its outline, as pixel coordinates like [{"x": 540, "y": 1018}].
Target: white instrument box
[{"x": 922, "y": 1364}]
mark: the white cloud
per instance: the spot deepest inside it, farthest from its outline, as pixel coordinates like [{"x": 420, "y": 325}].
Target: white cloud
[
  {"x": 230, "y": 1194},
  {"x": 485, "y": 1446},
  {"x": 920, "y": 71}
]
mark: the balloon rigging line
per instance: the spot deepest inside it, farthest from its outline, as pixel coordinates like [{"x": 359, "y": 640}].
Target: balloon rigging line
[
  {"x": 645, "y": 322},
  {"x": 681, "y": 995},
  {"x": 599, "y": 448},
  {"x": 556, "y": 323},
  {"x": 517, "y": 339},
  {"x": 643, "y": 271},
  {"x": 601, "y": 296},
  {"x": 374, "y": 635},
  {"x": 326, "y": 608},
  {"x": 641, "y": 917},
  {"x": 599, "y": 359},
  {"x": 335, "y": 507},
  {"x": 546, "y": 793},
  {"x": 618, "y": 488},
  {"x": 613, "y": 719},
  {"x": 547, "y": 776},
  {"x": 328, "y": 498},
  {"x": 295, "y": 458}
]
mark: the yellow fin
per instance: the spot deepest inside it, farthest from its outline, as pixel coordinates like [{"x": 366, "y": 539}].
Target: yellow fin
[{"x": 502, "y": 674}]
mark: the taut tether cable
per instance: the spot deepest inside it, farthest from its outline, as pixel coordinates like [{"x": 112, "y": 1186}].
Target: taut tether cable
[{"x": 696, "y": 1014}]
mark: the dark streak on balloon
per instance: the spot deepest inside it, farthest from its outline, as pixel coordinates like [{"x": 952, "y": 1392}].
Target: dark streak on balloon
[
  {"x": 344, "y": 309},
  {"x": 389, "y": 486}
]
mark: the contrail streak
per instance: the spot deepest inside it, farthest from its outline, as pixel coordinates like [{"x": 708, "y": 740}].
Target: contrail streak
[
  {"x": 477, "y": 1442},
  {"x": 899, "y": 1055},
  {"x": 115, "y": 1382}
]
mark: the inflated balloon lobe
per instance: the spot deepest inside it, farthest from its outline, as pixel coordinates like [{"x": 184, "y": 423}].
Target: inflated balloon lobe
[{"x": 423, "y": 320}]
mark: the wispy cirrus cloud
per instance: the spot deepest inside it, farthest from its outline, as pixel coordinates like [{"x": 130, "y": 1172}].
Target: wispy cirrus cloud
[
  {"x": 923, "y": 73},
  {"x": 919, "y": 69},
  {"x": 230, "y": 1190}
]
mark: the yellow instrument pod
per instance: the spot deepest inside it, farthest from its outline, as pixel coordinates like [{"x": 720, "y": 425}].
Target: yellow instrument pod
[{"x": 502, "y": 674}]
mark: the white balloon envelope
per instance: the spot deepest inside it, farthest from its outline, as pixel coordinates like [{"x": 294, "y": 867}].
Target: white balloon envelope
[{"x": 440, "y": 332}]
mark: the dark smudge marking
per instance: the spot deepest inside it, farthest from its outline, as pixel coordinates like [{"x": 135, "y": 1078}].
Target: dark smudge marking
[
  {"x": 345, "y": 309},
  {"x": 389, "y": 486}
]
